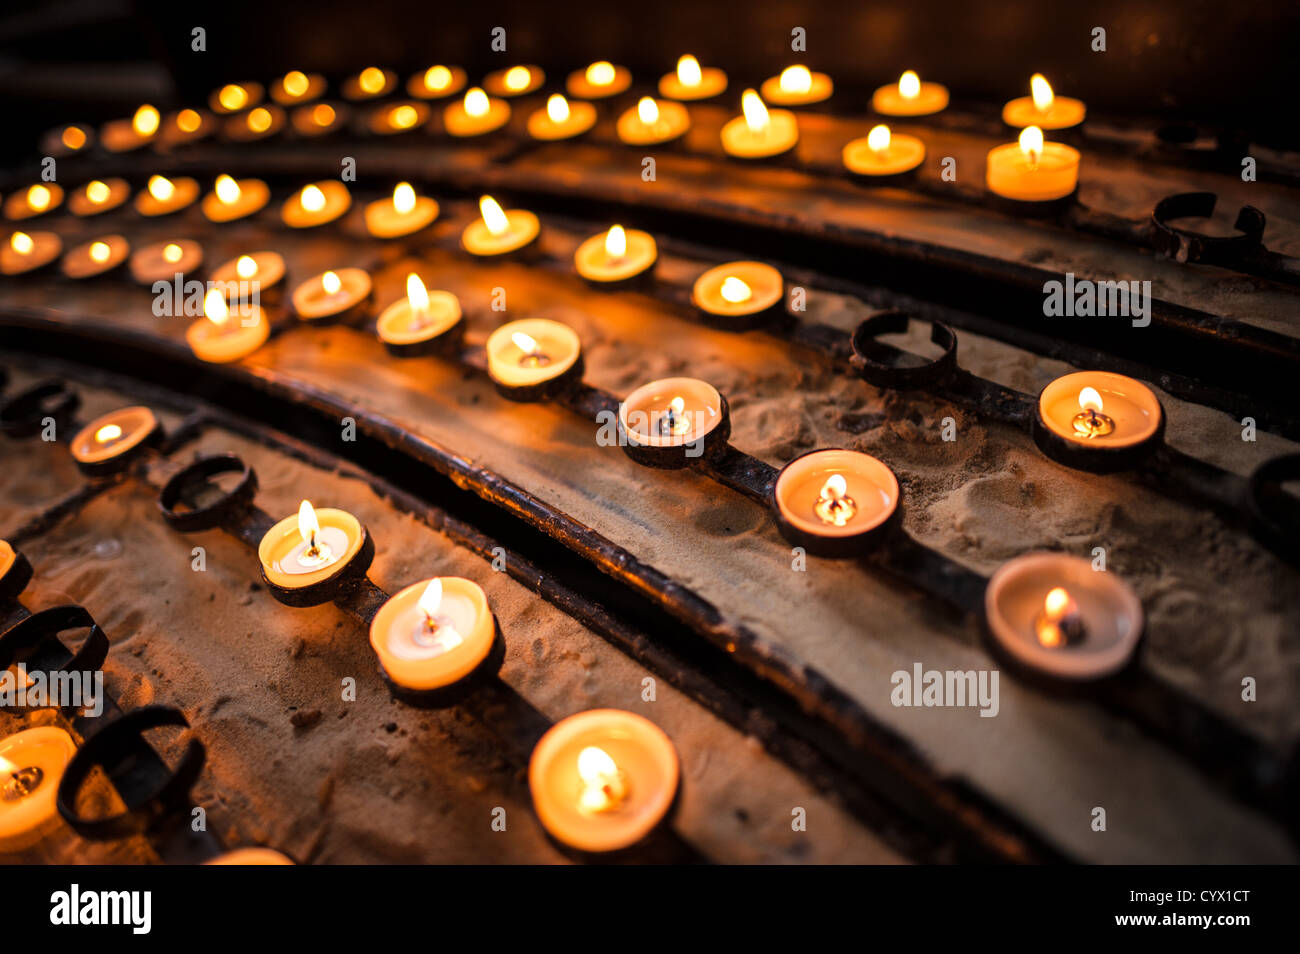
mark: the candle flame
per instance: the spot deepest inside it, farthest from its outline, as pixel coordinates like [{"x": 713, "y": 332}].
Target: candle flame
[
  {"x": 1089, "y": 399},
  {"x": 7, "y": 767},
  {"x": 688, "y": 70},
  {"x": 1041, "y": 91},
  {"x": 431, "y": 599},
  {"x": 323, "y": 115},
  {"x": 188, "y": 120},
  {"x": 493, "y": 217},
  {"x": 476, "y": 102},
  {"x": 227, "y": 190},
  {"x": 616, "y": 242},
  {"x": 416, "y": 295},
  {"x": 161, "y": 188},
  {"x": 756, "y": 117},
  {"x": 172, "y": 253},
  {"x": 677, "y": 405},
  {"x": 232, "y": 97},
  {"x": 909, "y": 85},
  {"x": 308, "y": 525},
  {"x": 295, "y": 82},
  {"x": 647, "y": 110},
  {"x": 796, "y": 79},
  {"x": 38, "y": 198},
  {"x": 734, "y": 290},
  {"x": 215, "y": 308},
  {"x": 1057, "y": 606},
  {"x": 145, "y": 120},
  {"x": 1058, "y": 599},
  {"x": 21, "y": 243},
  {"x": 371, "y": 80},
  {"x": 403, "y": 198},
  {"x": 600, "y": 73},
  {"x": 835, "y": 487},
  {"x": 97, "y": 192},
  {"x": 436, "y": 78},
  {"x": 518, "y": 77},
  {"x": 403, "y": 117},
  {"x": 312, "y": 198},
  {"x": 878, "y": 138},
  {"x": 331, "y": 283},
  {"x": 1031, "y": 143},
  {"x": 109, "y": 432},
  {"x": 246, "y": 266},
  {"x": 73, "y": 138},
  {"x": 524, "y": 342},
  {"x": 99, "y": 252},
  {"x": 603, "y": 786},
  {"x": 259, "y": 120},
  {"x": 557, "y": 107}
]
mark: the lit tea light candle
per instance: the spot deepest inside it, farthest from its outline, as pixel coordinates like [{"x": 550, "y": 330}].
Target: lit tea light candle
[
  {"x": 1055, "y": 615},
  {"x": 308, "y": 556},
  {"x": 600, "y": 80},
  {"x": 742, "y": 293},
  {"x": 67, "y": 140},
  {"x": 124, "y": 135},
  {"x": 254, "y": 276},
  {"x": 421, "y": 323},
  {"x": 95, "y": 258},
  {"x": 15, "y": 572},
  {"x": 432, "y": 635},
  {"x": 1098, "y": 421},
  {"x": 163, "y": 261},
  {"x": 98, "y": 196},
  {"x": 232, "y": 199},
  {"x": 475, "y": 115},
  {"x": 32, "y": 763},
  {"x": 296, "y": 87},
  {"x": 1043, "y": 108},
  {"x": 370, "y": 83},
  {"x": 403, "y": 215},
  {"x": 561, "y": 119},
  {"x": 910, "y": 97},
  {"x": 334, "y": 297},
  {"x": 221, "y": 336},
  {"x": 395, "y": 118},
  {"x": 320, "y": 119},
  {"x": 882, "y": 156},
  {"x": 515, "y": 81},
  {"x": 437, "y": 82},
  {"x": 166, "y": 196},
  {"x": 33, "y": 201},
  {"x": 499, "y": 232},
  {"x": 316, "y": 204},
  {"x": 260, "y": 122},
  {"x": 251, "y": 856},
  {"x": 1031, "y": 170},
  {"x": 674, "y": 421},
  {"x": 759, "y": 133},
  {"x": 651, "y": 122},
  {"x": 797, "y": 86},
  {"x": 616, "y": 257},
  {"x": 235, "y": 97},
  {"x": 186, "y": 126},
  {"x": 534, "y": 359},
  {"x": 603, "y": 780},
  {"x": 836, "y": 502},
  {"x": 108, "y": 444},
  {"x": 690, "y": 81},
  {"x": 26, "y": 252}
]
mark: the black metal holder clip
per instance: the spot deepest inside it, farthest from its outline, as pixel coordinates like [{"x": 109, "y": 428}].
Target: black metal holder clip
[
  {"x": 878, "y": 363},
  {"x": 1187, "y": 245},
  {"x": 1274, "y": 514},
  {"x": 26, "y": 640},
  {"x": 190, "y": 501},
  {"x": 24, "y": 413}
]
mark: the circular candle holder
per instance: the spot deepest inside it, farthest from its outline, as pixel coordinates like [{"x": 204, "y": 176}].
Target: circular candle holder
[
  {"x": 439, "y": 330},
  {"x": 163, "y": 261},
  {"x": 27, "y": 253},
  {"x": 392, "y": 119},
  {"x": 648, "y": 773},
  {"x": 250, "y": 197},
  {"x": 15, "y": 572},
  {"x": 190, "y": 501},
  {"x": 1045, "y": 188},
  {"x": 385, "y": 221},
  {"x": 673, "y": 422},
  {"x": 114, "y": 744},
  {"x": 671, "y": 121},
  {"x": 33, "y": 201},
  {"x": 110, "y": 444},
  {"x": 819, "y": 90},
  {"x": 514, "y": 81},
  {"x": 462, "y": 124},
  {"x": 929, "y": 98},
  {"x": 185, "y": 128},
  {"x": 184, "y": 192},
  {"x": 24, "y": 414},
  {"x": 95, "y": 259},
  {"x": 712, "y": 82},
  {"x": 262, "y": 283},
  {"x": 776, "y": 141},
  {"x": 297, "y": 87},
  {"x": 235, "y": 97},
  {"x": 552, "y": 368},
  {"x": 634, "y": 268},
  {"x": 1273, "y": 513},
  {"x": 580, "y": 84},
  {"x": 99, "y": 196},
  {"x": 1188, "y": 245},
  {"x": 27, "y": 637},
  {"x": 320, "y": 119},
  {"x": 1131, "y": 428},
  {"x": 881, "y": 364},
  {"x": 1064, "y": 113},
  {"x": 337, "y": 200},
  {"x": 1101, "y": 633},
  {"x": 860, "y": 514},
  {"x": 370, "y": 83},
  {"x": 40, "y": 756},
  {"x": 314, "y": 303},
  {"x": 260, "y": 123},
  {"x": 67, "y": 140},
  {"x": 326, "y": 583},
  {"x": 516, "y": 243},
  {"x": 433, "y": 671},
  {"x": 437, "y": 82},
  {"x": 762, "y": 302},
  {"x": 579, "y": 118},
  {"x": 896, "y": 164},
  {"x": 128, "y": 135}
]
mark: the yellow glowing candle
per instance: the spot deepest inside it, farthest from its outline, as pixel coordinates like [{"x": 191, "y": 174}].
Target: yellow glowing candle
[
  {"x": 600, "y": 80},
  {"x": 533, "y": 358},
  {"x": 437, "y": 82},
  {"x": 883, "y": 155},
  {"x": 616, "y": 256},
  {"x": 1032, "y": 170},
  {"x": 166, "y": 196},
  {"x": 797, "y": 86},
  {"x": 235, "y": 97},
  {"x": 298, "y": 87},
  {"x": 910, "y": 97},
  {"x": 759, "y": 133},
  {"x": 32, "y": 763},
  {"x": 499, "y": 232},
  {"x": 334, "y": 296},
  {"x": 320, "y": 119},
  {"x": 370, "y": 83},
  {"x": 399, "y": 118},
  {"x": 262, "y": 122},
  {"x": 652, "y": 122},
  {"x": 232, "y": 199},
  {"x": 515, "y": 81},
  {"x": 402, "y": 215},
  {"x": 27, "y": 252},
  {"x": 33, "y": 201},
  {"x": 739, "y": 292},
  {"x": 422, "y": 322},
  {"x": 221, "y": 337},
  {"x": 476, "y": 114},
  {"x": 1043, "y": 108},
  {"x": 308, "y": 549},
  {"x": 163, "y": 261},
  {"x": 98, "y": 196},
  {"x": 113, "y": 441},
  {"x": 690, "y": 81},
  {"x": 434, "y": 633},
  {"x": 95, "y": 258},
  {"x": 316, "y": 204},
  {"x": 561, "y": 119}
]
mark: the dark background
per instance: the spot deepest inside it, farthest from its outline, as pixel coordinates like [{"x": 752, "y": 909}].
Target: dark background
[{"x": 1222, "y": 64}]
